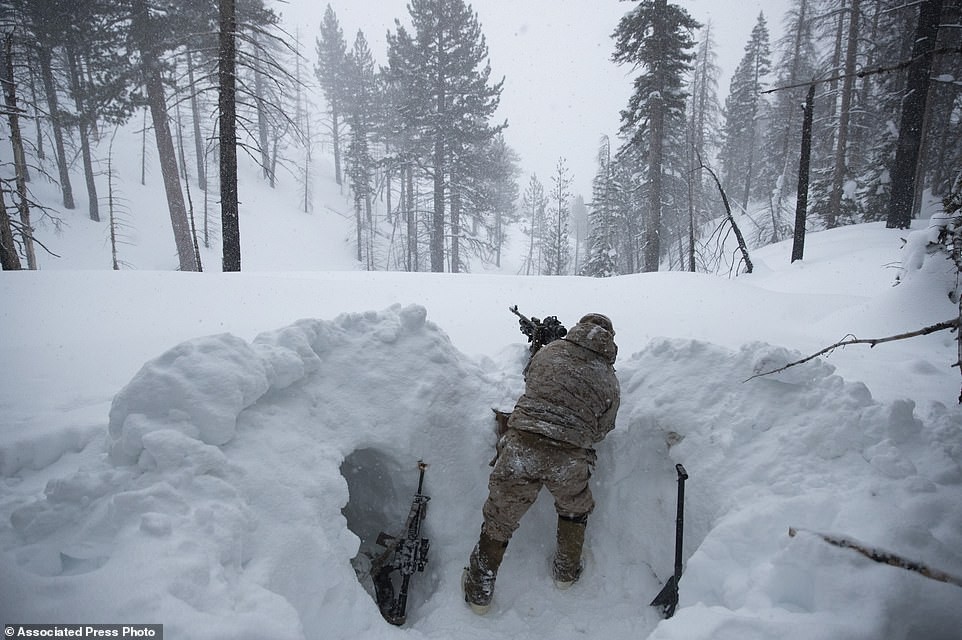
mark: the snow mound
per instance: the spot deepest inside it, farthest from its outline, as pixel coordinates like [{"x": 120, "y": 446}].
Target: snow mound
[
  {"x": 239, "y": 481},
  {"x": 221, "y": 492},
  {"x": 802, "y": 448}
]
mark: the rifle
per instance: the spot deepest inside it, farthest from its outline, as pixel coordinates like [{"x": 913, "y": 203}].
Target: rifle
[
  {"x": 404, "y": 554},
  {"x": 667, "y": 598},
  {"x": 539, "y": 332}
]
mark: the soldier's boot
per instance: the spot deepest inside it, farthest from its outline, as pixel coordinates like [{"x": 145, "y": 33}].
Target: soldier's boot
[
  {"x": 479, "y": 576},
  {"x": 567, "y": 566}
]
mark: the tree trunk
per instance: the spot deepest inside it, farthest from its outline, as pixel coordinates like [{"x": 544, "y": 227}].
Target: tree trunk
[
  {"x": 827, "y": 142},
  {"x": 336, "y": 136},
  {"x": 46, "y": 72},
  {"x": 437, "y": 221},
  {"x": 83, "y": 120},
  {"x": 455, "y": 229},
  {"x": 804, "y": 162},
  {"x": 753, "y": 123},
  {"x": 195, "y": 117},
  {"x": 41, "y": 155},
  {"x": 230, "y": 218},
  {"x": 907, "y": 152},
  {"x": 838, "y": 175},
  {"x": 412, "y": 218},
  {"x": 19, "y": 159},
  {"x": 168, "y": 169},
  {"x": 262, "y": 128},
  {"x": 9, "y": 260},
  {"x": 154, "y": 85},
  {"x": 652, "y": 248}
]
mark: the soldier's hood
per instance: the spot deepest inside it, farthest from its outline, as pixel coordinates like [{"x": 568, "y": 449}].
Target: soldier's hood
[{"x": 594, "y": 338}]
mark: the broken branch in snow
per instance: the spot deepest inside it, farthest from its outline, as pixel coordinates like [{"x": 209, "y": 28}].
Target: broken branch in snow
[
  {"x": 883, "y": 557},
  {"x": 924, "y": 331}
]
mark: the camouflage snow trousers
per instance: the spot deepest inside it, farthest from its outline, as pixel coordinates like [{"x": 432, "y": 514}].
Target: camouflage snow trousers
[{"x": 527, "y": 462}]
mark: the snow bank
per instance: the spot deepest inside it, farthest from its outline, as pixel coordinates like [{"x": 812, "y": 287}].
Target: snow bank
[
  {"x": 239, "y": 484},
  {"x": 218, "y": 505},
  {"x": 802, "y": 448}
]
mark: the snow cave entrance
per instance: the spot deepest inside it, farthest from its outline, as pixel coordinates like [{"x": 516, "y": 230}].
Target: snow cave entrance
[{"x": 381, "y": 489}]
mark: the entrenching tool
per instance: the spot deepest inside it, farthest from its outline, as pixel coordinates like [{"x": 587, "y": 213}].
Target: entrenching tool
[{"x": 667, "y": 598}]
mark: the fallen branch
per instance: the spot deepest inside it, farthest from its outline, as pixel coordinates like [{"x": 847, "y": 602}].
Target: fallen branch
[
  {"x": 941, "y": 326},
  {"x": 883, "y": 557}
]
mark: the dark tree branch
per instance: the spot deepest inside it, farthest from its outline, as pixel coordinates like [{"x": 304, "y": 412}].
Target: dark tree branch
[
  {"x": 880, "y": 556},
  {"x": 865, "y": 72},
  {"x": 941, "y": 326}
]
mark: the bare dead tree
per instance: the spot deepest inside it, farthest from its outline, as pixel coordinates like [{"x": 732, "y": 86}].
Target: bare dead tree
[{"x": 731, "y": 219}]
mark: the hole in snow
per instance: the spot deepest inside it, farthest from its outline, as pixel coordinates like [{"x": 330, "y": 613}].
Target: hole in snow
[{"x": 381, "y": 490}]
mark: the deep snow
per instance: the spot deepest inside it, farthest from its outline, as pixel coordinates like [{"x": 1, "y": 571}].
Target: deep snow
[{"x": 184, "y": 449}]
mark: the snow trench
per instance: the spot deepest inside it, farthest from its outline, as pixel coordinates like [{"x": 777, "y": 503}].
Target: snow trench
[{"x": 239, "y": 484}]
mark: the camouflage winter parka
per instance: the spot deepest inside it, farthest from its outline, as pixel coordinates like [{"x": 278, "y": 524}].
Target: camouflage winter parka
[{"x": 571, "y": 392}]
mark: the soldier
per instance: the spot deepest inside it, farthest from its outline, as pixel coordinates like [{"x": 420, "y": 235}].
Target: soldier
[{"x": 569, "y": 404}]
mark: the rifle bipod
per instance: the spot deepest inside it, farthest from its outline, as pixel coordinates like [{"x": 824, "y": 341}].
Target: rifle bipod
[
  {"x": 667, "y": 598},
  {"x": 403, "y": 555}
]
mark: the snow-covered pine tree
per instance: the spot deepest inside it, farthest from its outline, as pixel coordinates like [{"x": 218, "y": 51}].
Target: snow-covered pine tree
[
  {"x": 795, "y": 52},
  {"x": 494, "y": 201},
  {"x": 704, "y": 124},
  {"x": 331, "y": 62},
  {"x": 746, "y": 113},
  {"x": 655, "y": 37},
  {"x": 841, "y": 165},
  {"x": 601, "y": 259},
  {"x": 359, "y": 110},
  {"x": 534, "y": 203},
  {"x": 447, "y": 104},
  {"x": 557, "y": 249}
]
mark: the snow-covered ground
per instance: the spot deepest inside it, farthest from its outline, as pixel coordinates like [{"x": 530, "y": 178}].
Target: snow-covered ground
[{"x": 210, "y": 451}]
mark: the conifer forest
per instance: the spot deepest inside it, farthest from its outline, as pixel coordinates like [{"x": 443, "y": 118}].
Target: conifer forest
[{"x": 853, "y": 114}]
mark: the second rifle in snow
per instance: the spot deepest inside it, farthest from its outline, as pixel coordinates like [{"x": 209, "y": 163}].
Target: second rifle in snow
[{"x": 404, "y": 555}]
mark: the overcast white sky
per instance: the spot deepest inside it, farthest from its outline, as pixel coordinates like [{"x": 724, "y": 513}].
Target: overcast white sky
[{"x": 561, "y": 92}]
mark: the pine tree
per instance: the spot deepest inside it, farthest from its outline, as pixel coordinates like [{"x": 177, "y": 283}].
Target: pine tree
[
  {"x": 227, "y": 105},
  {"x": 704, "y": 118},
  {"x": 841, "y": 164},
  {"x": 655, "y": 37},
  {"x": 331, "y": 63},
  {"x": 911, "y": 122},
  {"x": 779, "y": 174},
  {"x": 534, "y": 204},
  {"x": 745, "y": 113},
  {"x": 497, "y": 195},
  {"x": 42, "y": 24},
  {"x": 359, "y": 110},
  {"x": 558, "y": 221},
  {"x": 894, "y": 30},
  {"x": 153, "y": 34},
  {"x": 601, "y": 258},
  {"x": 447, "y": 103}
]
